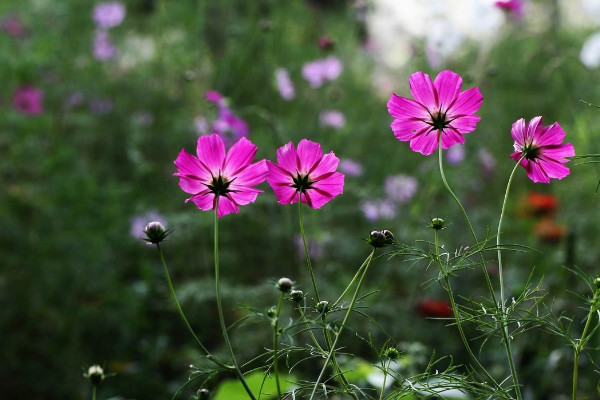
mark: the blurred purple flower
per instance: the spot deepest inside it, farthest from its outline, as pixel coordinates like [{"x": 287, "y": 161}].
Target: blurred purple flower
[
  {"x": 142, "y": 118},
  {"x": 229, "y": 126},
  {"x": 378, "y": 209},
  {"x": 138, "y": 223},
  {"x": 74, "y": 100},
  {"x": 350, "y": 167},
  {"x": 320, "y": 71},
  {"x": 455, "y": 154},
  {"x": 487, "y": 160},
  {"x": 28, "y": 100},
  {"x": 284, "y": 84},
  {"x": 101, "y": 106},
  {"x": 108, "y": 14},
  {"x": 333, "y": 119},
  {"x": 215, "y": 97},
  {"x": 514, "y": 8},
  {"x": 315, "y": 249},
  {"x": 201, "y": 126},
  {"x": 400, "y": 188},
  {"x": 103, "y": 47},
  {"x": 12, "y": 26}
]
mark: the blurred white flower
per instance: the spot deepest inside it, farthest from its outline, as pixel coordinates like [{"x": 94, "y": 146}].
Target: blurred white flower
[
  {"x": 137, "y": 50},
  {"x": 590, "y": 52}
]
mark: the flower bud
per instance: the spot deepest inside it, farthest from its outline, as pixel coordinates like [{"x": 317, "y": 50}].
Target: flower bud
[
  {"x": 271, "y": 312},
  {"x": 323, "y": 306},
  {"x": 285, "y": 285},
  {"x": 202, "y": 394},
  {"x": 597, "y": 283},
  {"x": 437, "y": 224},
  {"x": 392, "y": 353},
  {"x": 95, "y": 374},
  {"x": 296, "y": 296},
  {"x": 381, "y": 238},
  {"x": 155, "y": 232}
]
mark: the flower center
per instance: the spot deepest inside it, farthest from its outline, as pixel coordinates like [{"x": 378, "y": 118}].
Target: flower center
[
  {"x": 438, "y": 120},
  {"x": 530, "y": 151},
  {"x": 301, "y": 183},
  {"x": 219, "y": 186}
]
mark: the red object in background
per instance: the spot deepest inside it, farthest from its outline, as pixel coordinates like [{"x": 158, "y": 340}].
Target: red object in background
[
  {"x": 326, "y": 43},
  {"x": 540, "y": 204},
  {"x": 434, "y": 308},
  {"x": 548, "y": 231}
]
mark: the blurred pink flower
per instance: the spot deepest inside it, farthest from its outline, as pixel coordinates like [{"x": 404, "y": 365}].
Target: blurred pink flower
[
  {"x": 307, "y": 173},
  {"x": 323, "y": 70},
  {"x": 284, "y": 84},
  {"x": 439, "y": 108},
  {"x": 487, "y": 160},
  {"x": 228, "y": 125},
  {"x": 103, "y": 48},
  {"x": 333, "y": 119},
  {"x": 455, "y": 154},
  {"x": 108, "y": 14},
  {"x": 28, "y": 100},
  {"x": 350, "y": 167},
  {"x": 513, "y": 7},
  {"x": 219, "y": 178},
  {"x": 215, "y": 97},
  {"x": 374, "y": 210},
  {"x": 542, "y": 148},
  {"x": 400, "y": 188},
  {"x": 12, "y": 26},
  {"x": 201, "y": 125}
]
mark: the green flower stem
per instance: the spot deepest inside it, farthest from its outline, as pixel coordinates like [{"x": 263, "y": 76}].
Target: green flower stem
[
  {"x": 345, "y": 320},
  {"x": 447, "y": 279},
  {"x": 220, "y": 307},
  {"x": 580, "y": 345},
  {"x": 461, "y": 332},
  {"x": 182, "y": 315},
  {"x": 506, "y": 337},
  {"x": 93, "y": 392},
  {"x": 275, "y": 324},
  {"x": 468, "y": 222},
  {"x": 385, "y": 374},
  {"x": 350, "y": 284},
  {"x": 306, "y": 252},
  {"x": 340, "y": 374}
]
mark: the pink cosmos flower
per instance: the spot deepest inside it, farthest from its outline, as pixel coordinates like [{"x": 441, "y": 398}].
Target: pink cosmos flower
[
  {"x": 108, "y": 14},
  {"x": 215, "y": 97},
  {"x": 306, "y": 173},
  {"x": 216, "y": 178},
  {"x": 28, "y": 100},
  {"x": 284, "y": 84},
  {"x": 332, "y": 118},
  {"x": 439, "y": 108},
  {"x": 542, "y": 148},
  {"x": 512, "y": 7}
]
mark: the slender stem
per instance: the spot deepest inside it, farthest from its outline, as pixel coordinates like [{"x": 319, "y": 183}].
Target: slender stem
[
  {"x": 340, "y": 374},
  {"x": 182, "y": 315},
  {"x": 275, "y": 345},
  {"x": 220, "y": 307},
  {"x": 447, "y": 279},
  {"x": 577, "y": 349},
  {"x": 349, "y": 285},
  {"x": 93, "y": 392},
  {"x": 385, "y": 374},
  {"x": 454, "y": 307},
  {"x": 344, "y": 321},
  {"x": 505, "y": 335},
  {"x": 306, "y": 252},
  {"x": 468, "y": 222}
]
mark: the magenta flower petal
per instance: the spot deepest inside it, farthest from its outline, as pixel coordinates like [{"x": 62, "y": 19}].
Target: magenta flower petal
[
  {"x": 215, "y": 177},
  {"x": 439, "y": 109},
  {"x": 305, "y": 173},
  {"x": 541, "y": 150}
]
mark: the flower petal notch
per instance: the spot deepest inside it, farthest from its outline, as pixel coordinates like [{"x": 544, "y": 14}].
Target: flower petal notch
[
  {"x": 217, "y": 180},
  {"x": 438, "y": 108},
  {"x": 305, "y": 173},
  {"x": 540, "y": 149}
]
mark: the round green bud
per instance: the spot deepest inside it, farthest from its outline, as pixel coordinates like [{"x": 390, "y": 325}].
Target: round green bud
[
  {"x": 381, "y": 238},
  {"x": 203, "y": 394},
  {"x": 392, "y": 353},
  {"x": 597, "y": 283},
  {"x": 296, "y": 295},
  {"x": 271, "y": 312},
  {"x": 155, "y": 232},
  {"x": 323, "y": 306},
  {"x": 285, "y": 285},
  {"x": 437, "y": 224}
]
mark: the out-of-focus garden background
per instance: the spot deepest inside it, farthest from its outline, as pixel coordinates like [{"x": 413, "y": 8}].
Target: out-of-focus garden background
[{"x": 96, "y": 103}]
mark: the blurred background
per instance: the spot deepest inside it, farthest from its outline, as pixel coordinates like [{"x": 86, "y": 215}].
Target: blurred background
[{"x": 98, "y": 98}]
